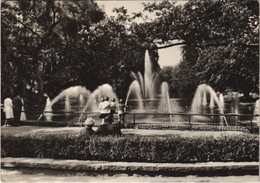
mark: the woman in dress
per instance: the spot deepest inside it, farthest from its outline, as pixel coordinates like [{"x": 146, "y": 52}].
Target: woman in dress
[{"x": 8, "y": 109}]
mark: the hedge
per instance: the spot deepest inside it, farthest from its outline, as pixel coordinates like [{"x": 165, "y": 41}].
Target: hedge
[{"x": 132, "y": 148}]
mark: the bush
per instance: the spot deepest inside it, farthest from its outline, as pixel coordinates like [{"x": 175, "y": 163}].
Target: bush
[{"x": 168, "y": 149}]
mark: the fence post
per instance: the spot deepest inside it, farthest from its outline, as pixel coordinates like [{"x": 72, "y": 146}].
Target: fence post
[
  {"x": 134, "y": 118},
  {"x": 189, "y": 119}
]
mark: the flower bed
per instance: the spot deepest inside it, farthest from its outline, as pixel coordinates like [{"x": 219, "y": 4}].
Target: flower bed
[
  {"x": 132, "y": 148},
  {"x": 192, "y": 127}
]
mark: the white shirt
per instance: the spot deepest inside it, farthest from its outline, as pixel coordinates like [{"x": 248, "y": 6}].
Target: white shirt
[
  {"x": 104, "y": 107},
  {"x": 113, "y": 105}
]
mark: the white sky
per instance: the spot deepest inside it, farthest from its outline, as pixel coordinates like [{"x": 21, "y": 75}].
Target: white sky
[{"x": 168, "y": 56}]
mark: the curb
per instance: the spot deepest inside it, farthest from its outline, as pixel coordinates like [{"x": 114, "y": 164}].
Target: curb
[{"x": 208, "y": 168}]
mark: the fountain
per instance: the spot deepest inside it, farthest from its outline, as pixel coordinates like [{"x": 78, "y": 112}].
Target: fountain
[
  {"x": 96, "y": 96},
  {"x": 74, "y": 91},
  {"x": 148, "y": 95},
  {"x": 256, "y": 112},
  {"x": 236, "y": 106},
  {"x": 146, "y": 90},
  {"x": 48, "y": 110},
  {"x": 67, "y": 103},
  {"x": 200, "y": 99},
  {"x": 81, "y": 100},
  {"x": 136, "y": 89},
  {"x": 71, "y": 92},
  {"x": 148, "y": 77},
  {"x": 85, "y": 99},
  {"x": 143, "y": 89},
  {"x": 165, "y": 104}
]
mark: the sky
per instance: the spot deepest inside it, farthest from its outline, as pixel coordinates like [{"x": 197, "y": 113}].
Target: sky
[{"x": 168, "y": 56}]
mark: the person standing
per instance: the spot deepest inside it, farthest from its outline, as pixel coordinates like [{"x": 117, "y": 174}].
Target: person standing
[
  {"x": 105, "y": 110},
  {"x": 112, "y": 110},
  {"x": 8, "y": 109},
  {"x": 121, "y": 111},
  {"x": 100, "y": 108},
  {"x": 17, "y": 107},
  {"x": 23, "y": 116}
]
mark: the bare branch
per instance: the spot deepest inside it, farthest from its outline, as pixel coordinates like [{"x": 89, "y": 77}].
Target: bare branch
[
  {"x": 30, "y": 29},
  {"x": 38, "y": 20},
  {"x": 170, "y": 45},
  {"x": 210, "y": 44}
]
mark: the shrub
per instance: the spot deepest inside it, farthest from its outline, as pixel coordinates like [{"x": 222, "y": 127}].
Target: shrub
[{"x": 170, "y": 149}]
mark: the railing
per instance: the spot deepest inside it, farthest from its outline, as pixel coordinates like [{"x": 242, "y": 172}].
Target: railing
[
  {"x": 230, "y": 122},
  {"x": 133, "y": 118}
]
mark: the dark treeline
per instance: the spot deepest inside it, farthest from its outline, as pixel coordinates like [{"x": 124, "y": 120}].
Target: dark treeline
[{"x": 48, "y": 46}]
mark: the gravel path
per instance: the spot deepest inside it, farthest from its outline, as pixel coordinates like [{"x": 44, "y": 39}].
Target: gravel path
[{"x": 18, "y": 177}]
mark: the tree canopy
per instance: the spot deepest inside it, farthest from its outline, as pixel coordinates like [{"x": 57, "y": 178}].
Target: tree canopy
[
  {"x": 220, "y": 38},
  {"x": 48, "y": 46},
  {"x": 37, "y": 42}
]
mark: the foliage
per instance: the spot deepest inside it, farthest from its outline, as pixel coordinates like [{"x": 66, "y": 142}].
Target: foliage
[
  {"x": 226, "y": 66},
  {"x": 168, "y": 149},
  {"x": 182, "y": 78},
  {"x": 62, "y": 44},
  {"x": 38, "y": 41},
  {"x": 51, "y": 45},
  {"x": 222, "y": 36}
]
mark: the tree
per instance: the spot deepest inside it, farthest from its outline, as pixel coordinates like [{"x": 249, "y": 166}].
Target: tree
[
  {"x": 61, "y": 44},
  {"x": 117, "y": 52},
  {"x": 229, "y": 67},
  {"x": 207, "y": 29},
  {"x": 182, "y": 78},
  {"x": 51, "y": 45},
  {"x": 35, "y": 36}
]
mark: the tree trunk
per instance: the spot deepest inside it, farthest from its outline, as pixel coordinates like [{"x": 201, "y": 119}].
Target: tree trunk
[{"x": 40, "y": 85}]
